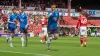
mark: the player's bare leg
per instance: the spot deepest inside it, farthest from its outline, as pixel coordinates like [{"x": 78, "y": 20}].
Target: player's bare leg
[
  {"x": 55, "y": 36},
  {"x": 11, "y": 36}
]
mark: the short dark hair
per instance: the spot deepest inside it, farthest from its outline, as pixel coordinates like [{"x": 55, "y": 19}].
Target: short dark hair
[
  {"x": 83, "y": 13},
  {"x": 54, "y": 5}
]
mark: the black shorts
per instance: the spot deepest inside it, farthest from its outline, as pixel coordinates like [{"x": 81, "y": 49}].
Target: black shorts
[
  {"x": 11, "y": 30},
  {"x": 23, "y": 30},
  {"x": 52, "y": 30}
]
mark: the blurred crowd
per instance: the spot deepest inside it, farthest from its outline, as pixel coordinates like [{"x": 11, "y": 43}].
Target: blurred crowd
[{"x": 40, "y": 4}]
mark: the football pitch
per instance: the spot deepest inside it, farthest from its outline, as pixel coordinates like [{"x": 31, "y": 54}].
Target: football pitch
[{"x": 64, "y": 46}]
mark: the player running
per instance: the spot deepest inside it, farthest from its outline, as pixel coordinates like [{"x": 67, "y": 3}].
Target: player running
[
  {"x": 52, "y": 27},
  {"x": 23, "y": 26},
  {"x": 82, "y": 26},
  {"x": 44, "y": 29},
  {"x": 12, "y": 24}
]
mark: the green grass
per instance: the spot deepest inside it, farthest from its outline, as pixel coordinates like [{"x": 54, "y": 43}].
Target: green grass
[{"x": 64, "y": 46}]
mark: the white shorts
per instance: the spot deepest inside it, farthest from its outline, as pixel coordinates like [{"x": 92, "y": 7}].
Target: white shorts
[
  {"x": 44, "y": 30},
  {"x": 83, "y": 30}
]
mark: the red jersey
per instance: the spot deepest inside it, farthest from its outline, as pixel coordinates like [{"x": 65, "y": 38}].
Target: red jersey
[
  {"x": 43, "y": 21},
  {"x": 82, "y": 21}
]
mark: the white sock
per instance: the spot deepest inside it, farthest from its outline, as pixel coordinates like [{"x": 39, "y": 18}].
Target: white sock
[
  {"x": 22, "y": 39},
  {"x": 10, "y": 40},
  {"x": 49, "y": 40}
]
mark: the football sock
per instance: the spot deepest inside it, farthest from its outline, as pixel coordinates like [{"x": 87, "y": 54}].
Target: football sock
[
  {"x": 81, "y": 40},
  {"x": 85, "y": 40},
  {"x": 43, "y": 37},
  {"x": 22, "y": 39},
  {"x": 49, "y": 42},
  {"x": 10, "y": 41}
]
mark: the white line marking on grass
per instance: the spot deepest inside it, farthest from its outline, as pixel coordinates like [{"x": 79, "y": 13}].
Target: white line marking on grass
[{"x": 24, "y": 53}]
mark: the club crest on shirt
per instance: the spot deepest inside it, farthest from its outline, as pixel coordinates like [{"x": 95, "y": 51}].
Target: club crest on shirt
[{"x": 55, "y": 18}]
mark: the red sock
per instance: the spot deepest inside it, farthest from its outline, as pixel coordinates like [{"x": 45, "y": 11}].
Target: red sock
[
  {"x": 85, "y": 39},
  {"x": 81, "y": 40},
  {"x": 43, "y": 37}
]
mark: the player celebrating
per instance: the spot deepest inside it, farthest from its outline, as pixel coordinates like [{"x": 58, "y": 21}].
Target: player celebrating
[
  {"x": 12, "y": 24},
  {"x": 23, "y": 26},
  {"x": 52, "y": 28},
  {"x": 82, "y": 26},
  {"x": 44, "y": 29}
]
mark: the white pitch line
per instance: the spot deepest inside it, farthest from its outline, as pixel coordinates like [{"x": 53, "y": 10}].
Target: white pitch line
[{"x": 24, "y": 53}]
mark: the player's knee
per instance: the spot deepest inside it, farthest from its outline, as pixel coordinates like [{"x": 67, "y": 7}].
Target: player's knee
[
  {"x": 56, "y": 35},
  {"x": 12, "y": 35}
]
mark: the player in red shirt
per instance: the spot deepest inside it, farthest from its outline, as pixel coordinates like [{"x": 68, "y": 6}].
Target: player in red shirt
[
  {"x": 82, "y": 26},
  {"x": 44, "y": 29}
]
